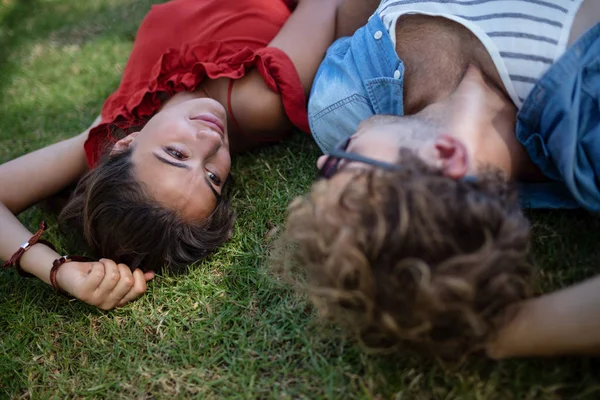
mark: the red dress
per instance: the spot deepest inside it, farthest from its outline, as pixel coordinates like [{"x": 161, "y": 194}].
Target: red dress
[{"x": 181, "y": 42}]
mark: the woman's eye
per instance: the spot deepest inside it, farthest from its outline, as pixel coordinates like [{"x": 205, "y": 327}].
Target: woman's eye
[
  {"x": 216, "y": 180},
  {"x": 175, "y": 153}
]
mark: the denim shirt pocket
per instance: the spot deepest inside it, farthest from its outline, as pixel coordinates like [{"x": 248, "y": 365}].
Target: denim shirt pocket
[
  {"x": 529, "y": 132},
  {"x": 386, "y": 94},
  {"x": 538, "y": 152}
]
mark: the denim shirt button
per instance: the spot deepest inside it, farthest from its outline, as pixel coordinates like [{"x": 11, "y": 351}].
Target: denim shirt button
[
  {"x": 378, "y": 35},
  {"x": 397, "y": 74}
]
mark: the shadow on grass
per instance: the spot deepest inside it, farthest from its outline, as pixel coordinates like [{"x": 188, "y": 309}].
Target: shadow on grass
[
  {"x": 520, "y": 379},
  {"x": 564, "y": 246}
]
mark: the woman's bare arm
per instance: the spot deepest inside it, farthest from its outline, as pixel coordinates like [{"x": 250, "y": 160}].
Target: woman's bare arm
[
  {"x": 565, "y": 322},
  {"x": 30, "y": 178},
  {"x": 35, "y": 176},
  {"x": 313, "y": 27},
  {"x": 304, "y": 37},
  {"x": 352, "y": 15}
]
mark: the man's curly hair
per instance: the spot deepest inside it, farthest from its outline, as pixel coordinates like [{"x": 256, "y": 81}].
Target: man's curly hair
[{"x": 410, "y": 257}]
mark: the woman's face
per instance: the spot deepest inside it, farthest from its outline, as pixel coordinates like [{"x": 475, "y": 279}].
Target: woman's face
[{"x": 182, "y": 156}]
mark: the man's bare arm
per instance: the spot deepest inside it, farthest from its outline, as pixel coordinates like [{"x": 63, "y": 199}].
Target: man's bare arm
[{"x": 565, "y": 322}]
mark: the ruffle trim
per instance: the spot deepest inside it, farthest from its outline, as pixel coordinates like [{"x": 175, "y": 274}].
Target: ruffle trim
[{"x": 183, "y": 70}]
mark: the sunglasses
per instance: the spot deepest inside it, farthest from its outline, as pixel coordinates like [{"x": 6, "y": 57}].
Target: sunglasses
[{"x": 339, "y": 153}]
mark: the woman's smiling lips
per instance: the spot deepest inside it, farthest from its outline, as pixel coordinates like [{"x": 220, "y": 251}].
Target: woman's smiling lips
[{"x": 212, "y": 121}]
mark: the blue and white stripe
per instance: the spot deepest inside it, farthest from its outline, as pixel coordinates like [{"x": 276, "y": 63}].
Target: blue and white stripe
[{"x": 523, "y": 37}]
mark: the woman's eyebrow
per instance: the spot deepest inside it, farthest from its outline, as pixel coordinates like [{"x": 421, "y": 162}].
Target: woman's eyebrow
[
  {"x": 183, "y": 166},
  {"x": 173, "y": 163}
]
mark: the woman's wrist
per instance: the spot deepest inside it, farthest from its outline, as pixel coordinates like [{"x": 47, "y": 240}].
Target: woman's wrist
[{"x": 38, "y": 261}]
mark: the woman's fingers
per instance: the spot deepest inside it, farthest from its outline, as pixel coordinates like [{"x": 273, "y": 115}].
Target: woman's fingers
[
  {"x": 123, "y": 286},
  {"x": 138, "y": 288},
  {"x": 103, "y": 283},
  {"x": 149, "y": 275},
  {"x": 112, "y": 275}
]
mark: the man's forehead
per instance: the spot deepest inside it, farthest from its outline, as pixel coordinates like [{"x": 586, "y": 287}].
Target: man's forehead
[
  {"x": 382, "y": 119},
  {"x": 404, "y": 128}
]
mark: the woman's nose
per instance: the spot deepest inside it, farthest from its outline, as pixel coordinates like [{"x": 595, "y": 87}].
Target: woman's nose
[{"x": 211, "y": 141}]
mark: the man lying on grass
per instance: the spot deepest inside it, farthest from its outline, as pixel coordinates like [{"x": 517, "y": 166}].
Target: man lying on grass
[{"x": 414, "y": 235}]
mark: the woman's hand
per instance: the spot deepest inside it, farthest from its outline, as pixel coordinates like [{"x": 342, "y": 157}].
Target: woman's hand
[{"x": 102, "y": 283}]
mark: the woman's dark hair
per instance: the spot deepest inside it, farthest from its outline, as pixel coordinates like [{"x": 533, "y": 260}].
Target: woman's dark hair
[{"x": 121, "y": 221}]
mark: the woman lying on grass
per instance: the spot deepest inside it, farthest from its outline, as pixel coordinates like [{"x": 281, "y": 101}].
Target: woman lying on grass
[{"x": 204, "y": 79}]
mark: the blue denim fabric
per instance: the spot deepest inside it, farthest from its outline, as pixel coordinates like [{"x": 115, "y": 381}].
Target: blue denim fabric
[
  {"x": 559, "y": 123},
  {"x": 360, "y": 76}
]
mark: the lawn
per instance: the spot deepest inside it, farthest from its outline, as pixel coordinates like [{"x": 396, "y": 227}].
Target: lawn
[{"x": 227, "y": 329}]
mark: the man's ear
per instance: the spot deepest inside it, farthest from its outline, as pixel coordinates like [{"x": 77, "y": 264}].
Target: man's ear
[
  {"x": 452, "y": 156},
  {"x": 124, "y": 143}
]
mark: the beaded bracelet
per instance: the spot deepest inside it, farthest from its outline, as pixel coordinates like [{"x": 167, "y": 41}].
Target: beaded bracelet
[
  {"x": 59, "y": 262},
  {"x": 15, "y": 259}
]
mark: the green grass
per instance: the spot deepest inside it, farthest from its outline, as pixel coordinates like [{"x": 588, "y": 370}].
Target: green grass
[{"x": 227, "y": 329}]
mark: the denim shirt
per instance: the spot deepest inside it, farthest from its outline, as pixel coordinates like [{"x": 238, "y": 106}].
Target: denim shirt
[
  {"x": 559, "y": 123},
  {"x": 359, "y": 77}
]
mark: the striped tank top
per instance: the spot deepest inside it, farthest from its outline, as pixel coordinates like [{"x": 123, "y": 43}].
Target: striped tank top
[{"x": 523, "y": 37}]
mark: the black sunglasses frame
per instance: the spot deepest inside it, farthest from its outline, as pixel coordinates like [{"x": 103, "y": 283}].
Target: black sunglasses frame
[{"x": 339, "y": 153}]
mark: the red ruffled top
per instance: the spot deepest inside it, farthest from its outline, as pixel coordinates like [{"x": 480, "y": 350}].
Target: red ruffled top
[{"x": 181, "y": 42}]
